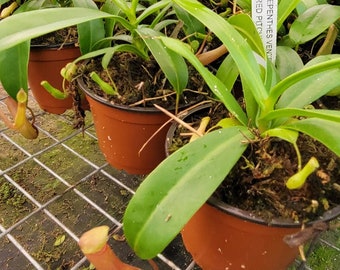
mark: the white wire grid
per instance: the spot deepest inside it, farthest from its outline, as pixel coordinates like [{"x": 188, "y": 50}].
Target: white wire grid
[{"x": 84, "y": 192}]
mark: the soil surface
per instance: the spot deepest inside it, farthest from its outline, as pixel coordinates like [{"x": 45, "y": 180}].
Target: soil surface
[
  {"x": 140, "y": 82},
  {"x": 57, "y": 38}
]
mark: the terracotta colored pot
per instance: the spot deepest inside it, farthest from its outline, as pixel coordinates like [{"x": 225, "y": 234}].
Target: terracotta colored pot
[
  {"x": 122, "y": 131},
  {"x": 218, "y": 241},
  {"x": 222, "y": 237},
  {"x": 45, "y": 63}
]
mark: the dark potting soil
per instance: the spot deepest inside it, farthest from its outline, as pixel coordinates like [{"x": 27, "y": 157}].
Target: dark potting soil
[
  {"x": 57, "y": 38},
  {"x": 141, "y": 83}
]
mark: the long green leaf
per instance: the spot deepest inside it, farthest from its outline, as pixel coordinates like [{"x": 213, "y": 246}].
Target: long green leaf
[
  {"x": 295, "y": 112},
  {"x": 285, "y": 67},
  {"x": 123, "y": 5},
  {"x": 310, "y": 89},
  {"x": 324, "y": 131},
  {"x": 216, "y": 86},
  {"x": 244, "y": 4},
  {"x": 284, "y": 10},
  {"x": 313, "y": 22},
  {"x": 245, "y": 26},
  {"x": 89, "y": 32},
  {"x": 228, "y": 72},
  {"x": 172, "y": 64},
  {"x": 283, "y": 85},
  {"x": 155, "y": 216},
  {"x": 108, "y": 52},
  {"x": 24, "y": 26},
  {"x": 13, "y": 73},
  {"x": 152, "y": 10},
  {"x": 109, "y": 24},
  {"x": 191, "y": 24},
  {"x": 237, "y": 46}
]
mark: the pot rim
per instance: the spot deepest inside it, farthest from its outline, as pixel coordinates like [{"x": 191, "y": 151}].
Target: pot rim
[
  {"x": 54, "y": 46},
  {"x": 104, "y": 101},
  {"x": 246, "y": 215}
]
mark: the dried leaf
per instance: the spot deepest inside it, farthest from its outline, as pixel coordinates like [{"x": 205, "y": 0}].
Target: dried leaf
[
  {"x": 118, "y": 237},
  {"x": 60, "y": 239}
]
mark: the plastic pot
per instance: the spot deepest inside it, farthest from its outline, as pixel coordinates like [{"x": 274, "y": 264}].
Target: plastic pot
[
  {"x": 222, "y": 237},
  {"x": 45, "y": 63},
  {"x": 122, "y": 131}
]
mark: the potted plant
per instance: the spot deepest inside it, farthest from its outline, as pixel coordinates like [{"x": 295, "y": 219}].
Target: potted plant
[
  {"x": 15, "y": 39},
  {"x": 275, "y": 116},
  {"x": 122, "y": 85}
]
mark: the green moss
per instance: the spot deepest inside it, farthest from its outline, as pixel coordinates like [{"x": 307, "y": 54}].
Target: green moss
[
  {"x": 324, "y": 258},
  {"x": 11, "y": 196}
]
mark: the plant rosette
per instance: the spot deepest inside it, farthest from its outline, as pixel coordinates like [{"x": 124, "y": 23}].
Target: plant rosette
[
  {"x": 130, "y": 51},
  {"x": 228, "y": 225}
]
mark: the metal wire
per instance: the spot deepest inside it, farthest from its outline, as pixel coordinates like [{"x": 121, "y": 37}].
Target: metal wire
[{"x": 94, "y": 169}]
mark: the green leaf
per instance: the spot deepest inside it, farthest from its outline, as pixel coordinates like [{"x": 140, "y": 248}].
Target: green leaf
[
  {"x": 287, "y": 61},
  {"x": 89, "y": 32},
  {"x": 244, "y": 4},
  {"x": 297, "y": 77},
  {"x": 228, "y": 72},
  {"x": 306, "y": 4},
  {"x": 325, "y": 131},
  {"x": 332, "y": 115},
  {"x": 172, "y": 64},
  {"x": 163, "y": 24},
  {"x": 191, "y": 24},
  {"x": 309, "y": 88},
  {"x": 108, "y": 52},
  {"x": 123, "y": 5},
  {"x": 245, "y": 26},
  {"x": 237, "y": 46},
  {"x": 34, "y": 5},
  {"x": 313, "y": 22},
  {"x": 284, "y": 134},
  {"x": 285, "y": 8},
  {"x": 153, "y": 9},
  {"x": 118, "y": 48},
  {"x": 321, "y": 59},
  {"x": 109, "y": 24},
  {"x": 16, "y": 79},
  {"x": 25, "y": 26},
  {"x": 155, "y": 215},
  {"x": 216, "y": 86}
]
